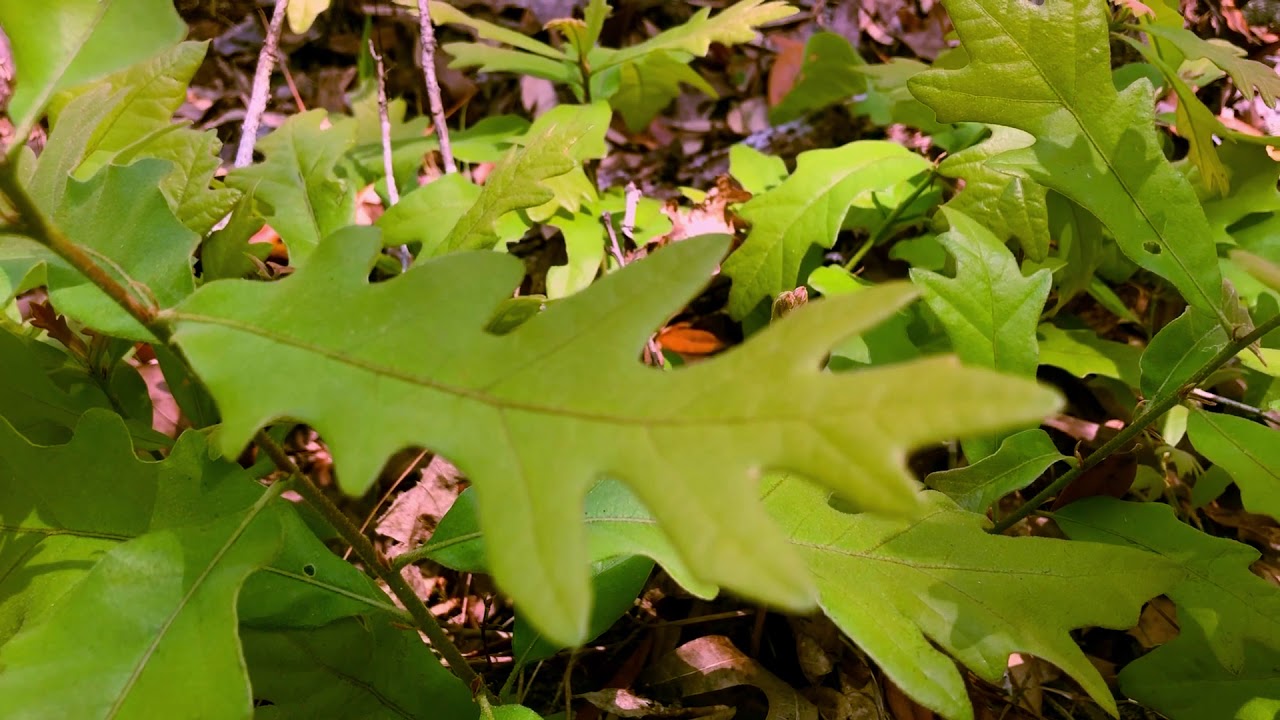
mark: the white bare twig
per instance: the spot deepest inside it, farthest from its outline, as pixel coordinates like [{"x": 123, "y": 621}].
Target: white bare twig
[
  {"x": 629, "y": 215},
  {"x": 261, "y": 86},
  {"x": 384, "y": 124},
  {"x": 433, "y": 84}
]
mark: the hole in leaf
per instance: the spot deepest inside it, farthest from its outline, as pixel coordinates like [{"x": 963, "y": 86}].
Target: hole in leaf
[
  {"x": 309, "y": 570},
  {"x": 1152, "y": 247}
]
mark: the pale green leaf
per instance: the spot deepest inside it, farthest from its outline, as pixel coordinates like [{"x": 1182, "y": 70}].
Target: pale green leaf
[
  {"x": 1094, "y": 145},
  {"x": 827, "y": 77},
  {"x": 792, "y": 221},
  {"x": 990, "y": 311},
  {"x": 57, "y": 45},
  {"x": 1007, "y": 205},
  {"x": 427, "y": 214},
  {"x": 542, "y": 412},
  {"x": 1083, "y": 353},
  {"x": 1247, "y": 75},
  {"x": 1253, "y": 178},
  {"x": 1249, "y": 452},
  {"x": 902, "y": 589},
  {"x": 1178, "y": 350},
  {"x": 364, "y": 669},
  {"x": 554, "y": 146},
  {"x": 1021, "y": 459},
  {"x": 443, "y": 12},
  {"x": 198, "y": 200},
  {"x": 489, "y": 59},
  {"x": 757, "y": 172},
  {"x": 302, "y": 13},
  {"x": 1225, "y": 662},
  {"x": 143, "y": 99},
  {"x": 731, "y": 26},
  {"x": 304, "y": 201}
]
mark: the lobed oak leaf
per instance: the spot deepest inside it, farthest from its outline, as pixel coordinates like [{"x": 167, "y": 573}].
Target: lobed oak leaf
[{"x": 535, "y": 417}]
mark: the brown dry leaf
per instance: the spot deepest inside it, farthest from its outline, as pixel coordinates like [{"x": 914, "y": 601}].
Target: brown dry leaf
[
  {"x": 902, "y": 707},
  {"x": 166, "y": 416},
  {"x": 712, "y": 663},
  {"x": 1110, "y": 478},
  {"x": 711, "y": 216},
  {"x": 1136, "y": 7},
  {"x": 1157, "y": 625},
  {"x": 685, "y": 339},
  {"x": 43, "y": 316},
  {"x": 1251, "y": 528},
  {"x": 414, "y": 514},
  {"x": 626, "y": 704},
  {"x": 818, "y": 645},
  {"x": 1028, "y": 675},
  {"x": 787, "y": 64}
]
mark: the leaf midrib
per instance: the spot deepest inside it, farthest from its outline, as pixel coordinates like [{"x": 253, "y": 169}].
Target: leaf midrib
[{"x": 1088, "y": 134}]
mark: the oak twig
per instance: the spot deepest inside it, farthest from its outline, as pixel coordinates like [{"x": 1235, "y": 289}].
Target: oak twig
[
  {"x": 1157, "y": 407},
  {"x": 433, "y": 84},
  {"x": 261, "y": 86}
]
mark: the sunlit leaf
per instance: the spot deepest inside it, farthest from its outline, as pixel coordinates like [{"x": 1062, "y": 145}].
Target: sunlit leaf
[
  {"x": 542, "y": 412},
  {"x": 1021, "y": 459},
  {"x": 1225, "y": 662}
]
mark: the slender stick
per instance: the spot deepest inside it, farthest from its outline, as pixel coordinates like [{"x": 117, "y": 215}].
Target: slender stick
[
  {"x": 261, "y": 86},
  {"x": 433, "y": 84},
  {"x": 376, "y": 562},
  {"x": 1158, "y": 407},
  {"x": 384, "y": 125}
]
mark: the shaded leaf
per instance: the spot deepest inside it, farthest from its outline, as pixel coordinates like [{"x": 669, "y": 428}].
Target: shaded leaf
[
  {"x": 1083, "y": 353},
  {"x": 826, "y": 77},
  {"x": 121, "y": 216},
  {"x": 1247, "y": 75},
  {"x": 352, "y": 668},
  {"x": 1178, "y": 350},
  {"x": 1094, "y": 145},
  {"x": 1225, "y": 661},
  {"x": 805, "y": 212},
  {"x": 1021, "y": 459},
  {"x": 542, "y": 412},
  {"x": 712, "y": 663},
  {"x": 647, "y": 85},
  {"x": 1249, "y": 452}
]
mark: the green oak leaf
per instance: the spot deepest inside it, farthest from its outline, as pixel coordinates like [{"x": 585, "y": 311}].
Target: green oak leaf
[
  {"x": 989, "y": 309},
  {"x": 1247, "y": 75},
  {"x": 144, "y": 98},
  {"x": 57, "y": 45},
  {"x": 1253, "y": 177},
  {"x": 647, "y": 85},
  {"x": 1094, "y": 145},
  {"x": 123, "y": 220},
  {"x": 757, "y": 172},
  {"x": 536, "y": 416},
  {"x": 1021, "y": 459},
  {"x": 1178, "y": 350},
  {"x": 731, "y": 26},
  {"x": 791, "y": 221},
  {"x": 198, "y": 200},
  {"x": 304, "y": 200},
  {"x": 427, "y": 214},
  {"x": 1225, "y": 662},
  {"x": 1007, "y": 205},
  {"x": 902, "y": 589},
  {"x": 63, "y": 508},
  {"x": 554, "y": 148},
  {"x": 1249, "y": 452},
  {"x": 354, "y": 668},
  {"x": 1083, "y": 353},
  {"x": 827, "y": 77},
  {"x": 43, "y": 393}
]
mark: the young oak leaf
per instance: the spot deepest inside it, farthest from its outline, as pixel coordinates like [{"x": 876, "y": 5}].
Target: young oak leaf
[
  {"x": 1094, "y": 145},
  {"x": 1225, "y": 662},
  {"x": 898, "y": 587},
  {"x": 805, "y": 211},
  {"x": 536, "y": 416}
]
